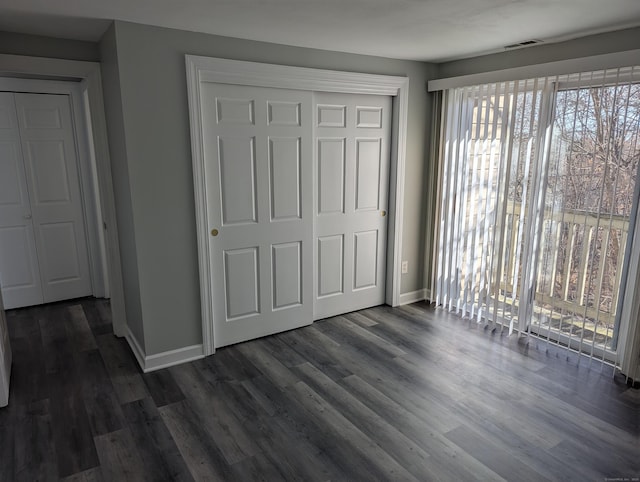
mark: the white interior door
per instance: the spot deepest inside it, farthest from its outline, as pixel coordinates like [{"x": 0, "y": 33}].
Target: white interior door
[
  {"x": 5, "y": 357},
  {"x": 352, "y": 135},
  {"x": 51, "y": 215},
  {"x": 19, "y": 271},
  {"x": 258, "y": 173}
]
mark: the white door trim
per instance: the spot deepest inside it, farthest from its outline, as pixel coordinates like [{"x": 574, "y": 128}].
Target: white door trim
[
  {"x": 207, "y": 69},
  {"x": 94, "y": 122}
]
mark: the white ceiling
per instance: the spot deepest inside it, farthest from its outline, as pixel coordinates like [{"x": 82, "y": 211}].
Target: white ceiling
[{"x": 431, "y": 30}]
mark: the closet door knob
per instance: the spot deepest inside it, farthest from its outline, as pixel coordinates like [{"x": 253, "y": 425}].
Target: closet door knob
[
  {"x": 27, "y": 216},
  {"x": 214, "y": 232}
]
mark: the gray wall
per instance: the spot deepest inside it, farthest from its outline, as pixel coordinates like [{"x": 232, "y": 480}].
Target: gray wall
[
  {"x": 121, "y": 187},
  {"x": 153, "y": 100},
  {"x": 37, "y": 46},
  {"x": 604, "y": 43}
]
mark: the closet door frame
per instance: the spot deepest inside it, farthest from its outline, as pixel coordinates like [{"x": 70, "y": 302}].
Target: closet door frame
[
  {"x": 224, "y": 71},
  {"x": 88, "y": 77}
]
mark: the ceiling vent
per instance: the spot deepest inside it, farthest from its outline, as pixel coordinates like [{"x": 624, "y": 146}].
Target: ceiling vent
[{"x": 526, "y": 43}]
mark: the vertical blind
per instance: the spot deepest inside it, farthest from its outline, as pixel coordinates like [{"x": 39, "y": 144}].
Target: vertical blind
[{"x": 536, "y": 206}]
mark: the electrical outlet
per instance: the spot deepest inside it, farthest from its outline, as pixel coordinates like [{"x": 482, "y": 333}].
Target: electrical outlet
[{"x": 405, "y": 267}]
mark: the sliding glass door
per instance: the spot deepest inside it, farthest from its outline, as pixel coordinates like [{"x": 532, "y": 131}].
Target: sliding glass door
[
  {"x": 589, "y": 199},
  {"x": 537, "y": 198}
]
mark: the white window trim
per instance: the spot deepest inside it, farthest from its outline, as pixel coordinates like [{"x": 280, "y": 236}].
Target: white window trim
[
  {"x": 90, "y": 82},
  {"x": 207, "y": 69},
  {"x": 568, "y": 66}
]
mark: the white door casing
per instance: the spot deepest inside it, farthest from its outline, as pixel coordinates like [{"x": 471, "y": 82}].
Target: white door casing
[
  {"x": 259, "y": 203},
  {"x": 5, "y": 357},
  {"x": 88, "y": 104},
  {"x": 352, "y": 134},
  {"x": 54, "y": 209},
  {"x": 203, "y": 70},
  {"x": 19, "y": 271}
]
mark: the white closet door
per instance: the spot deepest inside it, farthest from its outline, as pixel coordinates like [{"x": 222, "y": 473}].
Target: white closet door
[
  {"x": 50, "y": 161},
  {"x": 19, "y": 272},
  {"x": 352, "y": 135},
  {"x": 258, "y": 174}
]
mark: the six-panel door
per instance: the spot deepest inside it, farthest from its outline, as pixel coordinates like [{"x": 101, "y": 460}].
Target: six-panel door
[
  {"x": 258, "y": 173},
  {"x": 43, "y": 249},
  {"x": 352, "y": 178}
]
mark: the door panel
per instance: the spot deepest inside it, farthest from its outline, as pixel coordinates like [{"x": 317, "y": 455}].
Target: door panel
[
  {"x": 50, "y": 180},
  {"x": 258, "y": 174},
  {"x": 284, "y": 174},
  {"x": 59, "y": 252},
  {"x": 330, "y": 265},
  {"x": 365, "y": 259},
  {"x": 352, "y": 135},
  {"x": 19, "y": 272},
  {"x": 50, "y": 162},
  {"x": 331, "y": 170},
  {"x": 368, "y": 159},
  {"x": 237, "y": 179},
  {"x": 16, "y": 259},
  {"x": 287, "y": 274},
  {"x": 242, "y": 282}
]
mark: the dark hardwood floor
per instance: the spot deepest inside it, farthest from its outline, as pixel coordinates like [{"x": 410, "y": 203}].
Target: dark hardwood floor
[{"x": 382, "y": 394}]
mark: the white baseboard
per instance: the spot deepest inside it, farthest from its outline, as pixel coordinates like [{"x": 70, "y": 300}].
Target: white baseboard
[
  {"x": 413, "y": 296},
  {"x": 173, "y": 357},
  {"x": 165, "y": 359}
]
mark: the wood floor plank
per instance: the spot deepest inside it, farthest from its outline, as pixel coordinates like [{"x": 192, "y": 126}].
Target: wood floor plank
[
  {"x": 447, "y": 461},
  {"x": 296, "y": 456},
  {"x": 216, "y": 416},
  {"x": 377, "y": 458},
  {"x": 121, "y": 366},
  {"x": 99, "y": 396},
  {"x": 8, "y": 419},
  {"x": 367, "y": 336},
  {"x": 28, "y": 378},
  {"x": 90, "y": 475},
  {"x": 257, "y": 468},
  {"x": 282, "y": 351},
  {"x": 79, "y": 330},
  {"x": 35, "y": 457},
  {"x": 540, "y": 454},
  {"x": 98, "y": 314},
  {"x": 602, "y": 465},
  {"x": 304, "y": 428},
  {"x": 119, "y": 457},
  {"x": 390, "y": 379},
  {"x": 492, "y": 456},
  {"x": 316, "y": 352},
  {"x": 392, "y": 441},
  {"x": 162, "y": 387},
  {"x": 359, "y": 318},
  {"x": 160, "y": 455},
  {"x": 72, "y": 433},
  {"x": 204, "y": 459},
  {"x": 268, "y": 365}
]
